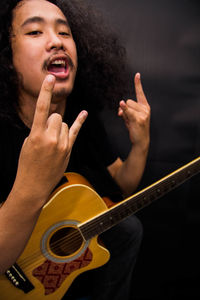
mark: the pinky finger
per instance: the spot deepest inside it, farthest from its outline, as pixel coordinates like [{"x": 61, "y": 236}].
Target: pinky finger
[{"x": 76, "y": 126}]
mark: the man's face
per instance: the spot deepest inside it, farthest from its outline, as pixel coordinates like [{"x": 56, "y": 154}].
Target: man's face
[{"x": 42, "y": 43}]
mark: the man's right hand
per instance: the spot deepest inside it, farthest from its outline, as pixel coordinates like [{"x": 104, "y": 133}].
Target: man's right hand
[{"x": 46, "y": 151}]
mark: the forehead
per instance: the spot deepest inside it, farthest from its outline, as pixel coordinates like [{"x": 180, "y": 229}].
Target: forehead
[{"x": 28, "y": 9}]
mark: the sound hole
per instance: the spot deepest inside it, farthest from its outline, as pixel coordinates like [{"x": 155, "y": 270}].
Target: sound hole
[{"x": 66, "y": 241}]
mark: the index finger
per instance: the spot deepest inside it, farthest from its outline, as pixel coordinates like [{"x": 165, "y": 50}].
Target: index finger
[
  {"x": 141, "y": 98},
  {"x": 43, "y": 103}
]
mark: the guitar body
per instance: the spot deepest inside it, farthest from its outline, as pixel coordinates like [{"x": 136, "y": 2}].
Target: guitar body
[
  {"x": 57, "y": 251},
  {"x": 65, "y": 244}
]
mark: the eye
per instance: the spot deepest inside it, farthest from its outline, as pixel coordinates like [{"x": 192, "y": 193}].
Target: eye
[
  {"x": 35, "y": 32},
  {"x": 64, "y": 33}
]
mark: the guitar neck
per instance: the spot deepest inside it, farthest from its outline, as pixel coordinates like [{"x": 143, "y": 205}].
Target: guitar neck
[{"x": 132, "y": 204}]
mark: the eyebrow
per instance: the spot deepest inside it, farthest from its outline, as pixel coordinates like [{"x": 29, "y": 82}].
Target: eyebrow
[{"x": 37, "y": 19}]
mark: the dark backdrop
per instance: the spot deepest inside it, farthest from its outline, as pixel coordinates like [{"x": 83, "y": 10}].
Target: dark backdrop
[{"x": 162, "y": 38}]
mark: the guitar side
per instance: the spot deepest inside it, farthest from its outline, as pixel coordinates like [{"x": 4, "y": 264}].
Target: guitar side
[{"x": 51, "y": 261}]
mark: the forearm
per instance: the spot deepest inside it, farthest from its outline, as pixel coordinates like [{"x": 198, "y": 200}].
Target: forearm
[
  {"x": 129, "y": 175},
  {"x": 18, "y": 216}
]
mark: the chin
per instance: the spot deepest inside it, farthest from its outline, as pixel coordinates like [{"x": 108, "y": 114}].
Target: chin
[{"x": 61, "y": 93}]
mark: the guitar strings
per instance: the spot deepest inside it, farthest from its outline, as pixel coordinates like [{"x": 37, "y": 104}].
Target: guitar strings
[{"x": 72, "y": 239}]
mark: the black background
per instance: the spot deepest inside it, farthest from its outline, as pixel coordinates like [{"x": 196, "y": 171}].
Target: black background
[{"x": 162, "y": 38}]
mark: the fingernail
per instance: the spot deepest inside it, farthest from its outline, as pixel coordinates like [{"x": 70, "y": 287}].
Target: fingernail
[
  {"x": 50, "y": 78},
  {"x": 84, "y": 113},
  {"x": 138, "y": 75},
  {"x": 122, "y": 103}
]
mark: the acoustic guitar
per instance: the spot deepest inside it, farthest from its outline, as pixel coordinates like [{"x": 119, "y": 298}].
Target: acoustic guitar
[{"x": 65, "y": 242}]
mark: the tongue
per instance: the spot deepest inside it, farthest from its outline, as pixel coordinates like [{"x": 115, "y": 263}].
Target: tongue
[{"x": 56, "y": 69}]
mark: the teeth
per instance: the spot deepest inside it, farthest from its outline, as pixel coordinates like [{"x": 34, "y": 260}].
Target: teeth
[{"x": 59, "y": 62}]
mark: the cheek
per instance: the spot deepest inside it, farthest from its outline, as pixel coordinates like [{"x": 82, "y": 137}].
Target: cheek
[
  {"x": 26, "y": 59},
  {"x": 73, "y": 52}
]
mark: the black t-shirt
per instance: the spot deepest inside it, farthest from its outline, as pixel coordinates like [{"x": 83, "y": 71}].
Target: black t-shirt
[{"x": 90, "y": 156}]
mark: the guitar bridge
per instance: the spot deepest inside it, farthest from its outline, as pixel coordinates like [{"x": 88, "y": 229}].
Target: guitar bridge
[{"x": 18, "y": 279}]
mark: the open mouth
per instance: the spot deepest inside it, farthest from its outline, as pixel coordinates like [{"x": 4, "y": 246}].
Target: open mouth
[{"x": 59, "y": 67}]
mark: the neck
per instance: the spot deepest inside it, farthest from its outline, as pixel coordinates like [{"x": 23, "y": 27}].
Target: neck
[{"x": 27, "y": 109}]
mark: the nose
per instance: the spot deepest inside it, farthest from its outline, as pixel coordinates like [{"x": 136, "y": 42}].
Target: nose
[{"x": 54, "y": 42}]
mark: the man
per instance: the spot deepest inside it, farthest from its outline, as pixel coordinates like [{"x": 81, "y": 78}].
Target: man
[{"x": 43, "y": 90}]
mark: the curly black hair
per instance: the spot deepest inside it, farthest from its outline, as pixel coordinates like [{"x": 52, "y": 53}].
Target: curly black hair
[{"x": 102, "y": 78}]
